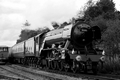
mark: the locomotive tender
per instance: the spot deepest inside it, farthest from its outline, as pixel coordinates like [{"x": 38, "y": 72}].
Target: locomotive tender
[{"x": 68, "y": 48}]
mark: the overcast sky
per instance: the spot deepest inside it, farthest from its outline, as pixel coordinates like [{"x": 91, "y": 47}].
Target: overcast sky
[{"x": 39, "y": 13}]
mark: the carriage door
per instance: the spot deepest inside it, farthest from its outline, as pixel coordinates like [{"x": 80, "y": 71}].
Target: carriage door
[{"x": 37, "y": 45}]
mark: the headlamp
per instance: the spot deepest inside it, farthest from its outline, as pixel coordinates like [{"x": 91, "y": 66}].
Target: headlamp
[
  {"x": 78, "y": 58},
  {"x": 102, "y": 58}
]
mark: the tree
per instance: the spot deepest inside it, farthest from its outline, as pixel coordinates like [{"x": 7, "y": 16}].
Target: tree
[
  {"x": 111, "y": 37},
  {"x": 55, "y": 25},
  {"x": 102, "y": 7},
  {"x": 104, "y": 15},
  {"x": 106, "y": 6},
  {"x": 62, "y": 25},
  {"x": 27, "y": 23},
  {"x": 26, "y": 33}
]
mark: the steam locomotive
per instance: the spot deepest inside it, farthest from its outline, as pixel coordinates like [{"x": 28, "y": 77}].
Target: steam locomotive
[{"x": 63, "y": 49}]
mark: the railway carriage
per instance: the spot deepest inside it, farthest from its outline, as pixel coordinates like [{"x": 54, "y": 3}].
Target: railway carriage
[
  {"x": 68, "y": 48},
  {"x": 17, "y": 52},
  {"x": 30, "y": 47},
  {"x": 4, "y": 54}
]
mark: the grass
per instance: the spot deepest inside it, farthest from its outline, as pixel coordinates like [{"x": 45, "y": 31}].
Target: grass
[{"x": 111, "y": 65}]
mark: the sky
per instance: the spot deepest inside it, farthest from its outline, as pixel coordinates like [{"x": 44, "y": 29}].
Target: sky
[{"x": 39, "y": 13}]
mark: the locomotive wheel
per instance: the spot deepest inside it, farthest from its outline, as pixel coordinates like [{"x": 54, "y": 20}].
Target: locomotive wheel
[
  {"x": 67, "y": 67},
  {"x": 75, "y": 70},
  {"x": 27, "y": 61},
  {"x": 35, "y": 62},
  {"x": 47, "y": 64},
  {"x": 18, "y": 61},
  {"x": 53, "y": 65},
  {"x": 94, "y": 68},
  {"x": 23, "y": 61},
  {"x": 56, "y": 65},
  {"x": 30, "y": 62},
  {"x": 39, "y": 64},
  {"x": 44, "y": 64},
  {"x": 61, "y": 65},
  {"x": 85, "y": 69},
  {"x": 75, "y": 67},
  {"x": 14, "y": 61}
]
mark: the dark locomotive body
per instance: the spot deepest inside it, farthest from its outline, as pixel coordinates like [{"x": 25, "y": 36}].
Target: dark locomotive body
[{"x": 68, "y": 48}]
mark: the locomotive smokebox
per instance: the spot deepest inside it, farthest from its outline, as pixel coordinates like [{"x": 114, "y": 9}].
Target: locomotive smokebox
[{"x": 83, "y": 34}]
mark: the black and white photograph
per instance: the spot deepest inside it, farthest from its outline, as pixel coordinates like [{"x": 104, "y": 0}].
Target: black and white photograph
[{"x": 59, "y": 40}]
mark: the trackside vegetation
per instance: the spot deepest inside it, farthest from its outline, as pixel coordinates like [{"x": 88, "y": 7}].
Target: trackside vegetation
[{"x": 104, "y": 14}]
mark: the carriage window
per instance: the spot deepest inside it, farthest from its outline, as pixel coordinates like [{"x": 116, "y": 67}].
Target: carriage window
[{"x": 3, "y": 49}]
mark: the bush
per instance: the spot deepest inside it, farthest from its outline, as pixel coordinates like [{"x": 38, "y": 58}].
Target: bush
[{"x": 111, "y": 65}]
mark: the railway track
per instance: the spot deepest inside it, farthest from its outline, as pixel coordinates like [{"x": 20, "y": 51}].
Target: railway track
[
  {"x": 77, "y": 76},
  {"x": 27, "y": 75},
  {"x": 47, "y": 75},
  {"x": 88, "y": 76},
  {"x": 8, "y": 69},
  {"x": 3, "y": 77}
]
